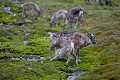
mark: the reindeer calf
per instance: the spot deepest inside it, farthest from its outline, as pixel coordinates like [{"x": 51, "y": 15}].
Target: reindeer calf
[
  {"x": 61, "y": 14},
  {"x": 65, "y": 51},
  {"x": 59, "y": 40},
  {"x": 30, "y": 6},
  {"x": 75, "y": 15}
]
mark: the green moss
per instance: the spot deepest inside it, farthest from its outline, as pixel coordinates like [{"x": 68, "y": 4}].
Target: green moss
[
  {"x": 99, "y": 61},
  {"x": 3, "y": 39}
]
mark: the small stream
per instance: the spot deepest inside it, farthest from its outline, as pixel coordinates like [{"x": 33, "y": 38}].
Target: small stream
[
  {"x": 25, "y": 57},
  {"x": 75, "y": 74},
  {"x": 29, "y": 58}
]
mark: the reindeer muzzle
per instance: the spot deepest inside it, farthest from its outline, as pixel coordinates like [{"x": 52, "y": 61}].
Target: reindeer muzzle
[{"x": 94, "y": 42}]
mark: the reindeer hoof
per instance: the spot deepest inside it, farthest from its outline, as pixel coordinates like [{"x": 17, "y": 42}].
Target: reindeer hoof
[
  {"x": 51, "y": 59},
  {"x": 66, "y": 62}
]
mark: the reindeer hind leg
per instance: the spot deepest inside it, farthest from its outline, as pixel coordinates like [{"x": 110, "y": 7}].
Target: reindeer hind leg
[
  {"x": 55, "y": 58},
  {"x": 69, "y": 58},
  {"x": 24, "y": 13},
  {"x": 50, "y": 53}
]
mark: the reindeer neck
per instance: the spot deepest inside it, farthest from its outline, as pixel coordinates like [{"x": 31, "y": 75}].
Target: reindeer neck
[{"x": 87, "y": 41}]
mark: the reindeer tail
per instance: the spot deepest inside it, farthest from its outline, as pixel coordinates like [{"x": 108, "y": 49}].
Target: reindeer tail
[{"x": 51, "y": 34}]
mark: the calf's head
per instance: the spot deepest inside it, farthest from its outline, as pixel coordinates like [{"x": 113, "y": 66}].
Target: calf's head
[
  {"x": 81, "y": 13},
  {"x": 92, "y": 38}
]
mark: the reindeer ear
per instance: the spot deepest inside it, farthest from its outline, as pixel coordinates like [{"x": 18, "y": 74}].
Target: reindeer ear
[{"x": 89, "y": 34}]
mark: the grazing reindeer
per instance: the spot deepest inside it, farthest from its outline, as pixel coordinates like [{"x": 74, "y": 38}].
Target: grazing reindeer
[
  {"x": 81, "y": 41},
  {"x": 75, "y": 15},
  {"x": 108, "y": 2},
  {"x": 59, "y": 40},
  {"x": 58, "y": 15},
  {"x": 65, "y": 51},
  {"x": 30, "y": 6},
  {"x": 87, "y": 1}
]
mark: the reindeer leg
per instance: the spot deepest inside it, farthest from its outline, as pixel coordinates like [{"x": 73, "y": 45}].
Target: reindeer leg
[
  {"x": 77, "y": 56},
  {"x": 64, "y": 25},
  {"x": 76, "y": 24},
  {"x": 74, "y": 54},
  {"x": 32, "y": 12},
  {"x": 89, "y": 1},
  {"x": 70, "y": 23},
  {"x": 55, "y": 58},
  {"x": 56, "y": 23},
  {"x": 51, "y": 24},
  {"x": 24, "y": 13},
  {"x": 85, "y": 2},
  {"x": 69, "y": 58},
  {"x": 50, "y": 53},
  {"x": 65, "y": 22}
]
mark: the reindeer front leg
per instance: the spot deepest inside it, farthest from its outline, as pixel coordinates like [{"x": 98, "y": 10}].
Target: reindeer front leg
[
  {"x": 55, "y": 58},
  {"x": 56, "y": 23},
  {"x": 73, "y": 53},
  {"x": 31, "y": 12},
  {"x": 69, "y": 58},
  {"x": 65, "y": 22},
  {"x": 50, "y": 53},
  {"x": 24, "y": 13},
  {"x": 76, "y": 24},
  {"x": 77, "y": 56},
  {"x": 70, "y": 23}
]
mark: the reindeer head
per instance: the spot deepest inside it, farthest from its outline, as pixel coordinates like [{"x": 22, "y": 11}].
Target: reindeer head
[
  {"x": 92, "y": 38},
  {"x": 40, "y": 11},
  {"x": 50, "y": 24},
  {"x": 81, "y": 13}
]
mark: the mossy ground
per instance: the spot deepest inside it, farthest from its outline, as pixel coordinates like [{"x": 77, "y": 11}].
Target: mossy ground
[{"x": 100, "y": 61}]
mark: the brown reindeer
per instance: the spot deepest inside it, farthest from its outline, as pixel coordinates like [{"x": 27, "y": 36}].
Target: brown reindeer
[
  {"x": 75, "y": 15},
  {"x": 81, "y": 41},
  {"x": 59, "y": 40},
  {"x": 30, "y": 6},
  {"x": 61, "y": 14},
  {"x": 106, "y": 2},
  {"x": 87, "y": 1}
]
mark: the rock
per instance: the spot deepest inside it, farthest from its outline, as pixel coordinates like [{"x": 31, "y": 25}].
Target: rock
[
  {"x": 7, "y": 9},
  {"x": 19, "y": 23},
  {"x": 28, "y": 21},
  {"x": 15, "y": 1}
]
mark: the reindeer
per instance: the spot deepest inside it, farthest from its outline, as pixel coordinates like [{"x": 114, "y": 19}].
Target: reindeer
[
  {"x": 108, "y": 2},
  {"x": 61, "y": 14},
  {"x": 30, "y": 6},
  {"x": 67, "y": 50},
  {"x": 75, "y": 15},
  {"x": 87, "y": 1},
  {"x": 81, "y": 41},
  {"x": 59, "y": 40}
]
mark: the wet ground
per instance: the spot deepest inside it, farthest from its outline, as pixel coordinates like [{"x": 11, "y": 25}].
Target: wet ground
[
  {"x": 25, "y": 57},
  {"x": 74, "y": 75}
]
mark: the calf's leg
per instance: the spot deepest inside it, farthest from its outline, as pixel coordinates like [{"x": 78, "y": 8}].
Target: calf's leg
[{"x": 69, "y": 58}]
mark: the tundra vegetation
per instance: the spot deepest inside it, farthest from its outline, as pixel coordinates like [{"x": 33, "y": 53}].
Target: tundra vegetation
[{"x": 99, "y": 62}]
